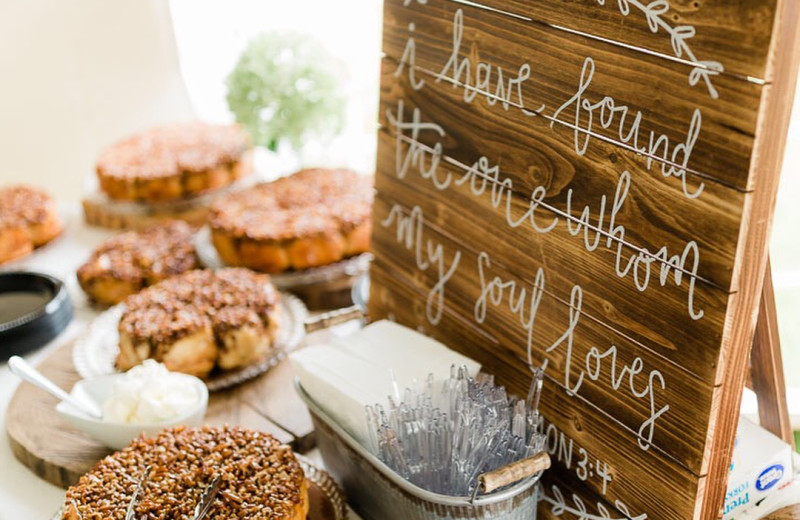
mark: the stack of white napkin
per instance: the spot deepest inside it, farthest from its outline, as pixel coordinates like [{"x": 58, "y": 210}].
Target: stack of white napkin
[{"x": 367, "y": 366}]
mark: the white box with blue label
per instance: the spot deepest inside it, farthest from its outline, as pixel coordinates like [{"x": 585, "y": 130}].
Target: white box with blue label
[{"x": 761, "y": 465}]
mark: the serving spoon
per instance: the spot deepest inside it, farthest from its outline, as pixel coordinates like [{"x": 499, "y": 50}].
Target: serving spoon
[{"x": 26, "y": 372}]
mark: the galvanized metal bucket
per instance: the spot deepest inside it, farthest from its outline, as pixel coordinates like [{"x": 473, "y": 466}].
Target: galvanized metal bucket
[{"x": 377, "y": 493}]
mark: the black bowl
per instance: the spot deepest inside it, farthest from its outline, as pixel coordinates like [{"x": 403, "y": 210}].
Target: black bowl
[{"x": 34, "y": 309}]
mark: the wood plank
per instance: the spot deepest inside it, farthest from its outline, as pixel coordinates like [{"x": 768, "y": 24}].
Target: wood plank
[
  {"x": 723, "y": 148},
  {"x": 654, "y": 214},
  {"x": 616, "y": 303},
  {"x": 774, "y": 116},
  {"x": 677, "y": 403},
  {"x": 766, "y": 367},
  {"x": 548, "y": 73},
  {"x": 739, "y": 38},
  {"x": 227, "y": 409},
  {"x": 276, "y": 398},
  {"x": 652, "y": 483}
]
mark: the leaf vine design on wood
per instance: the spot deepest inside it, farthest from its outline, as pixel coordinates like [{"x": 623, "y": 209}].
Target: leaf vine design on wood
[
  {"x": 655, "y": 13},
  {"x": 578, "y": 509}
]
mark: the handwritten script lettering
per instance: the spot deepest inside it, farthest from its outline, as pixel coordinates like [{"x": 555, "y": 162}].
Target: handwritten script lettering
[{"x": 409, "y": 229}]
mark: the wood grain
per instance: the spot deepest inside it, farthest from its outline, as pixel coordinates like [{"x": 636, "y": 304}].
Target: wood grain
[
  {"x": 739, "y": 38},
  {"x": 615, "y": 303},
  {"x": 682, "y": 431},
  {"x": 520, "y": 128},
  {"x": 532, "y": 155},
  {"x": 766, "y": 367},
  {"x": 774, "y": 115},
  {"x": 673, "y": 491},
  {"x": 60, "y": 454},
  {"x": 644, "y": 83}
]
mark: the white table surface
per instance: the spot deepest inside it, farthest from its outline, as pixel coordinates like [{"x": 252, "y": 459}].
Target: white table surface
[{"x": 23, "y": 495}]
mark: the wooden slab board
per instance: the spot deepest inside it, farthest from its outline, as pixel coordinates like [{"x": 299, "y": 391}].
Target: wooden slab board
[
  {"x": 60, "y": 454},
  {"x": 589, "y": 184}
]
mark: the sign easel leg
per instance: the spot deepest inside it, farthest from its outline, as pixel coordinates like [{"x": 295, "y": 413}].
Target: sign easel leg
[{"x": 766, "y": 366}]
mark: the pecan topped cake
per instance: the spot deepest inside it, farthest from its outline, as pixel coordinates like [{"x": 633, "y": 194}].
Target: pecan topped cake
[
  {"x": 127, "y": 263},
  {"x": 200, "y": 319},
  {"x": 312, "y": 218},
  {"x": 28, "y": 219},
  {"x": 170, "y": 162},
  {"x": 261, "y": 478}
]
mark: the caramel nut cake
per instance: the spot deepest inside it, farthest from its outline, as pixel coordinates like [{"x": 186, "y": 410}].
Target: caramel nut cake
[
  {"x": 127, "y": 263},
  {"x": 312, "y": 218},
  {"x": 170, "y": 162},
  {"x": 200, "y": 319},
  {"x": 28, "y": 219},
  {"x": 261, "y": 478}
]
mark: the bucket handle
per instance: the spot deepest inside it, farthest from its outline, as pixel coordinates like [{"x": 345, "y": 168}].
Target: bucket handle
[{"x": 514, "y": 472}]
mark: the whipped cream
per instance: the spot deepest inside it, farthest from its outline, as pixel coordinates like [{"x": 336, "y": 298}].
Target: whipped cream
[{"x": 149, "y": 394}]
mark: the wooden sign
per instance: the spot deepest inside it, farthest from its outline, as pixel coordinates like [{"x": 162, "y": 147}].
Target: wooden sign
[{"x": 588, "y": 184}]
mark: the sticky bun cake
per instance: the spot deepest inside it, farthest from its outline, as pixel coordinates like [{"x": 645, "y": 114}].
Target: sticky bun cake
[
  {"x": 200, "y": 319},
  {"x": 129, "y": 262},
  {"x": 170, "y": 162},
  {"x": 28, "y": 219},
  {"x": 261, "y": 478},
  {"x": 312, "y": 218}
]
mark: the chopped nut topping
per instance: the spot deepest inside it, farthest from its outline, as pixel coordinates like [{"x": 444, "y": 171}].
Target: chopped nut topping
[
  {"x": 143, "y": 257},
  {"x": 178, "y": 306},
  {"x": 310, "y": 202},
  {"x": 170, "y": 150},
  {"x": 24, "y": 206},
  {"x": 261, "y": 478}
]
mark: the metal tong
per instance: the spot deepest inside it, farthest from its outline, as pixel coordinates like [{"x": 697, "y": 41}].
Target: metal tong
[
  {"x": 208, "y": 498},
  {"x": 137, "y": 492},
  {"x": 200, "y": 511}
]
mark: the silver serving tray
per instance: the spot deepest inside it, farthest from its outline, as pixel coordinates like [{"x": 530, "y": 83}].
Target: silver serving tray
[{"x": 97, "y": 347}]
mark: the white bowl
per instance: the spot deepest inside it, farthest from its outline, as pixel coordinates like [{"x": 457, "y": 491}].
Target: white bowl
[{"x": 118, "y": 435}]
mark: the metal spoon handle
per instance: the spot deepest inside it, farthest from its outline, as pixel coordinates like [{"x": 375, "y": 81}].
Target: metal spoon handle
[{"x": 25, "y": 371}]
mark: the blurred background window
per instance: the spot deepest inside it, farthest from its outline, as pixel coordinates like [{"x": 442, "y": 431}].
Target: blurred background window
[{"x": 211, "y": 36}]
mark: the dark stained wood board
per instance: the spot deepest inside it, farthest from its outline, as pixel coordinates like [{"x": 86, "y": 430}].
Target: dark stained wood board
[
  {"x": 738, "y": 38},
  {"x": 588, "y": 436},
  {"x": 60, "y": 454},
  {"x": 481, "y": 153},
  {"x": 634, "y": 79},
  {"x": 573, "y": 182},
  {"x": 682, "y": 431},
  {"x": 614, "y": 303}
]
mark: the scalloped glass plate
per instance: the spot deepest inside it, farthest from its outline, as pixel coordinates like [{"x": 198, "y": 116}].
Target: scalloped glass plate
[
  {"x": 349, "y": 267},
  {"x": 326, "y": 498},
  {"x": 96, "y": 349}
]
